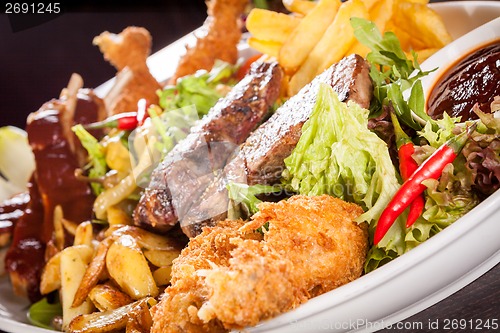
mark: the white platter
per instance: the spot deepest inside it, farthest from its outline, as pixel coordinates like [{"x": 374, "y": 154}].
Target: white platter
[{"x": 431, "y": 272}]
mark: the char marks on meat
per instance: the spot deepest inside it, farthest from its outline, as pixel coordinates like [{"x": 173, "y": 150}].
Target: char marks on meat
[
  {"x": 189, "y": 168},
  {"x": 261, "y": 158}
]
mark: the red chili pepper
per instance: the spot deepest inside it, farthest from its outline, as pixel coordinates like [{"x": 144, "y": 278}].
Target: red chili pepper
[
  {"x": 432, "y": 168},
  {"x": 126, "y": 121},
  {"x": 407, "y": 166},
  {"x": 123, "y": 121}
]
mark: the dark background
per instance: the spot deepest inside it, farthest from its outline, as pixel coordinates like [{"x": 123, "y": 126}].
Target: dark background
[{"x": 37, "y": 62}]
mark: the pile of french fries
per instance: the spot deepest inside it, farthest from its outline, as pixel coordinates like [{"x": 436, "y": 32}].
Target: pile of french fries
[
  {"x": 317, "y": 34},
  {"x": 109, "y": 284}
]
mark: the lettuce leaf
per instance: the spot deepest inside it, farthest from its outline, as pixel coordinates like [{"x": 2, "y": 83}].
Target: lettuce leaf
[
  {"x": 202, "y": 89},
  {"x": 338, "y": 155},
  {"x": 97, "y": 157},
  {"x": 244, "y": 198},
  {"x": 42, "y": 313}
]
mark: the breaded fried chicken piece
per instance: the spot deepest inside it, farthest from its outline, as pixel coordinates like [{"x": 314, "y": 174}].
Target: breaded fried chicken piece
[
  {"x": 231, "y": 276},
  {"x": 222, "y": 32},
  {"x": 128, "y": 52}
]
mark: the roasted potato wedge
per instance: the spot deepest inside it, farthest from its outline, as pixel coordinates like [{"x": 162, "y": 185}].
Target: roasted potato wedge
[
  {"x": 93, "y": 272},
  {"x": 107, "y": 321},
  {"x": 128, "y": 267},
  {"x": 74, "y": 262},
  {"x": 106, "y": 297}
]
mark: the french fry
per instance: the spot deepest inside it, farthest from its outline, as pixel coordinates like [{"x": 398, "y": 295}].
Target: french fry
[
  {"x": 423, "y": 54},
  {"x": 369, "y": 4},
  {"x": 269, "y": 25},
  {"x": 307, "y": 34},
  {"x": 380, "y": 12},
  {"x": 422, "y": 23},
  {"x": 129, "y": 268},
  {"x": 334, "y": 44},
  {"x": 302, "y": 7},
  {"x": 339, "y": 36},
  {"x": 106, "y": 297},
  {"x": 265, "y": 46},
  {"x": 74, "y": 261}
]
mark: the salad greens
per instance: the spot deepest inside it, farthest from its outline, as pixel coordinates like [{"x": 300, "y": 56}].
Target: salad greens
[
  {"x": 42, "y": 313},
  {"x": 95, "y": 150},
  {"x": 392, "y": 73},
  {"x": 202, "y": 89},
  {"x": 244, "y": 198},
  {"x": 338, "y": 155}
]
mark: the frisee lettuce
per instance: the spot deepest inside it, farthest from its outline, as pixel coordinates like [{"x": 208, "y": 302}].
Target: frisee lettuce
[{"x": 338, "y": 155}]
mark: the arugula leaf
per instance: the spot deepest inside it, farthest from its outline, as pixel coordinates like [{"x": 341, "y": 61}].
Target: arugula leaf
[{"x": 392, "y": 74}]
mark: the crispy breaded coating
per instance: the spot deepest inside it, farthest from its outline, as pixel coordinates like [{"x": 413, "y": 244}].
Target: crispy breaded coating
[
  {"x": 222, "y": 30},
  {"x": 128, "y": 52},
  {"x": 232, "y": 276}
]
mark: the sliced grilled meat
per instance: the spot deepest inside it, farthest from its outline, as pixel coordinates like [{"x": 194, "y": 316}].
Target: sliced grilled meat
[
  {"x": 261, "y": 158},
  {"x": 189, "y": 168}
]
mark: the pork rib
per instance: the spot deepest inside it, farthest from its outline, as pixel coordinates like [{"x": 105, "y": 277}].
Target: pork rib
[
  {"x": 189, "y": 168},
  {"x": 261, "y": 158}
]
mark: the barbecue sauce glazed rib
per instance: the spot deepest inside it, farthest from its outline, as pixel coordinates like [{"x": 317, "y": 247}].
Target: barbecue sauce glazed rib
[
  {"x": 53, "y": 183},
  {"x": 190, "y": 165},
  {"x": 261, "y": 158}
]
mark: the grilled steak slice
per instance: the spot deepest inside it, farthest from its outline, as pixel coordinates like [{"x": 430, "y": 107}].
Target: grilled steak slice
[
  {"x": 261, "y": 158},
  {"x": 189, "y": 168}
]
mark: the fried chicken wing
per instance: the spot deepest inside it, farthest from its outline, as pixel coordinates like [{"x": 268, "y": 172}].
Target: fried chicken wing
[
  {"x": 128, "y": 52},
  {"x": 232, "y": 276},
  {"x": 222, "y": 32}
]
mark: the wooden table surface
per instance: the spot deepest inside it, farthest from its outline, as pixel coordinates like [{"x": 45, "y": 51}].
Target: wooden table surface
[{"x": 20, "y": 95}]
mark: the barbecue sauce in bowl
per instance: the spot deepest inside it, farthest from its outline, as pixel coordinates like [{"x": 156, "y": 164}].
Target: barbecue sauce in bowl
[{"x": 475, "y": 78}]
